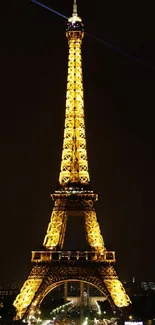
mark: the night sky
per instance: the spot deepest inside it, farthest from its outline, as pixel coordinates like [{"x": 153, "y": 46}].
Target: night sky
[{"x": 119, "y": 109}]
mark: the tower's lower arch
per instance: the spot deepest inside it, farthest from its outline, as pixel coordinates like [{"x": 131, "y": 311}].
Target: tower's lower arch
[
  {"x": 58, "y": 275},
  {"x": 54, "y": 286}
]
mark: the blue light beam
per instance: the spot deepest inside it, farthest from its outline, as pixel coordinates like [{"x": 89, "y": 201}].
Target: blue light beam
[
  {"x": 119, "y": 50},
  {"x": 114, "y": 48},
  {"x": 50, "y": 9}
]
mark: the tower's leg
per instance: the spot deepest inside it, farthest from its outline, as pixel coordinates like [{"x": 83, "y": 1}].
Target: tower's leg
[
  {"x": 114, "y": 287},
  {"x": 30, "y": 287},
  {"x": 93, "y": 231},
  {"x": 57, "y": 226}
]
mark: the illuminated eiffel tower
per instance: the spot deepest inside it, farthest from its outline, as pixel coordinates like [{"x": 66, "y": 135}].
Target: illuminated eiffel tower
[{"x": 52, "y": 265}]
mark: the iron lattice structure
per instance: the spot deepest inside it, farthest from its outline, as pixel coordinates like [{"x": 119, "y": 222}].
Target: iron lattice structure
[{"x": 52, "y": 266}]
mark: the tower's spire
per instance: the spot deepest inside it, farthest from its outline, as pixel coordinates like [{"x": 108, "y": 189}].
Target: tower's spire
[
  {"x": 75, "y": 9},
  {"x": 75, "y": 18}
]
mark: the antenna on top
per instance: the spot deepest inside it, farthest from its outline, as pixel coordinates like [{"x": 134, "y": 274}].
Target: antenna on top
[{"x": 75, "y": 8}]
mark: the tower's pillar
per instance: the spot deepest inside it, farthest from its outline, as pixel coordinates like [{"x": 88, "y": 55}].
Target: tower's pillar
[
  {"x": 87, "y": 294},
  {"x": 81, "y": 293},
  {"x": 82, "y": 301},
  {"x": 65, "y": 291}
]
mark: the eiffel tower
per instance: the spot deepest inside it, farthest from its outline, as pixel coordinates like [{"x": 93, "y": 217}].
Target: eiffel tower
[{"x": 52, "y": 265}]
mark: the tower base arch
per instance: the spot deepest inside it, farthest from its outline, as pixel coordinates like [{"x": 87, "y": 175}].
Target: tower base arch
[{"x": 46, "y": 276}]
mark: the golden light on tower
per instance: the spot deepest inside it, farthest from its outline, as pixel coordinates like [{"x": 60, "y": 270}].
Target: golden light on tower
[{"x": 73, "y": 198}]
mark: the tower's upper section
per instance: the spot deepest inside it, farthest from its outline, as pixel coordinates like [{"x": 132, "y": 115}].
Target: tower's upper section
[
  {"x": 75, "y": 24},
  {"x": 74, "y": 164}
]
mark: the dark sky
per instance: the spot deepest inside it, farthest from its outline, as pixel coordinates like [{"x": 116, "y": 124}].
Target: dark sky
[{"x": 119, "y": 109}]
